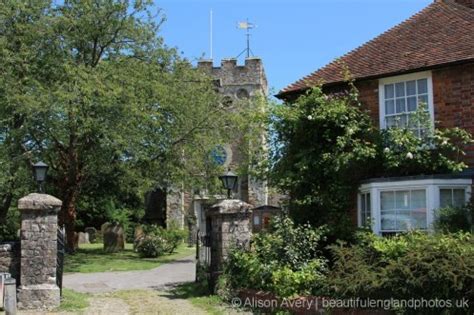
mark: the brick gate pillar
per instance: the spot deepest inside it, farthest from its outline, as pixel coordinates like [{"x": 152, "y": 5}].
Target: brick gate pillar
[
  {"x": 39, "y": 223},
  {"x": 230, "y": 226}
]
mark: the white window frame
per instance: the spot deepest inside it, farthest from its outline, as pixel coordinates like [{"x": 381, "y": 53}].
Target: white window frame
[
  {"x": 403, "y": 78},
  {"x": 359, "y": 207},
  {"x": 467, "y": 192},
  {"x": 432, "y": 187}
]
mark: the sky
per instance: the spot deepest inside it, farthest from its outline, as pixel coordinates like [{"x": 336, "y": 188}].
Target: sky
[{"x": 293, "y": 37}]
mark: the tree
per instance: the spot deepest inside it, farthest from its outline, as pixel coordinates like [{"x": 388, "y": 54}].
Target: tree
[{"x": 102, "y": 96}]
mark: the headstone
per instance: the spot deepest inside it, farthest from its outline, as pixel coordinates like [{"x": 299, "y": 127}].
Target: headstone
[
  {"x": 10, "y": 296},
  {"x": 114, "y": 238},
  {"x": 83, "y": 238},
  {"x": 138, "y": 236},
  {"x": 92, "y": 233},
  {"x": 103, "y": 227}
]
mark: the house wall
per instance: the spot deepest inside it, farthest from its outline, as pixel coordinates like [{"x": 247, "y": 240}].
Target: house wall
[
  {"x": 453, "y": 95},
  {"x": 453, "y": 91}
]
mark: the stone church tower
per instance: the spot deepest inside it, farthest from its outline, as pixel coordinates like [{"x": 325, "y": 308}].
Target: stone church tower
[{"x": 236, "y": 83}]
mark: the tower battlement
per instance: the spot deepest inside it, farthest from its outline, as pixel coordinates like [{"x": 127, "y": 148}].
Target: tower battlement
[{"x": 230, "y": 73}]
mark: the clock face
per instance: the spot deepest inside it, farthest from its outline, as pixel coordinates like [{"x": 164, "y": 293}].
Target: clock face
[{"x": 219, "y": 155}]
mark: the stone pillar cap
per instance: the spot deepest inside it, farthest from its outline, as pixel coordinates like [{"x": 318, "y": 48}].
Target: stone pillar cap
[
  {"x": 37, "y": 201},
  {"x": 231, "y": 206}
]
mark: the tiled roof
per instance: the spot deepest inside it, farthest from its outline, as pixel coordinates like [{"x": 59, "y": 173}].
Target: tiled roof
[{"x": 442, "y": 33}]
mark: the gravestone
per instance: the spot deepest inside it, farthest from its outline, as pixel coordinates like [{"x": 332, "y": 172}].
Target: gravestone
[
  {"x": 92, "y": 233},
  {"x": 114, "y": 238},
  {"x": 83, "y": 238},
  {"x": 138, "y": 235}
]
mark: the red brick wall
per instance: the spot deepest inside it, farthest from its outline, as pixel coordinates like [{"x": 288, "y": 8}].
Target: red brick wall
[
  {"x": 453, "y": 90},
  {"x": 453, "y": 93}
]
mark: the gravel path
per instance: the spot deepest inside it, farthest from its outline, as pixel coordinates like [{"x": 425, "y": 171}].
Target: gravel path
[{"x": 160, "y": 278}]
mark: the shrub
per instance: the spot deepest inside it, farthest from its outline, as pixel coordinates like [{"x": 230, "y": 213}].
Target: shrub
[
  {"x": 174, "y": 237},
  {"x": 151, "y": 246},
  {"x": 415, "y": 265},
  {"x": 286, "y": 260},
  {"x": 455, "y": 219},
  {"x": 167, "y": 240}
]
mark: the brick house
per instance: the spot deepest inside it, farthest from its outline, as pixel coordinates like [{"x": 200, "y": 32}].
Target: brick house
[{"x": 427, "y": 58}]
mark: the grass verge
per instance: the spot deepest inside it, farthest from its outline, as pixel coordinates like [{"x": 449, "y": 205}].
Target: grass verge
[
  {"x": 199, "y": 296},
  {"x": 73, "y": 301},
  {"x": 92, "y": 258}
]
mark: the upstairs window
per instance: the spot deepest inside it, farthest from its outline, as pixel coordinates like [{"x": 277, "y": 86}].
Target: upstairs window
[{"x": 400, "y": 98}]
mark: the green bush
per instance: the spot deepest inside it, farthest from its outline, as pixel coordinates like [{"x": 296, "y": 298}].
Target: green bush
[
  {"x": 415, "y": 265},
  {"x": 454, "y": 220},
  {"x": 286, "y": 260},
  {"x": 166, "y": 240},
  {"x": 151, "y": 246}
]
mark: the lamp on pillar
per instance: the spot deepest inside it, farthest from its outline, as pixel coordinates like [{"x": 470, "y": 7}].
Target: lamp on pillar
[
  {"x": 229, "y": 181},
  {"x": 40, "y": 171}
]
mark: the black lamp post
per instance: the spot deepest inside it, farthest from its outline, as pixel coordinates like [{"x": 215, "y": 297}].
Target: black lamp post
[
  {"x": 229, "y": 180},
  {"x": 40, "y": 172}
]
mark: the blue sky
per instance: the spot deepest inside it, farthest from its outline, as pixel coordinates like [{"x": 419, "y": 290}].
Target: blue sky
[{"x": 293, "y": 37}]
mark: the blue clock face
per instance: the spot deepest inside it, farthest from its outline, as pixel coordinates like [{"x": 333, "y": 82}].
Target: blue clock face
[{"x": 219, "y": 155}]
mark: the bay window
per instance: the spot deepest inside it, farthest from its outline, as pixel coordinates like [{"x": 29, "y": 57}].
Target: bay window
[{"x": 402, "y": 204}]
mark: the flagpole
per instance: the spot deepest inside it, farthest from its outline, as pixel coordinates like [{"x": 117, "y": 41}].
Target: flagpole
[{"x": 210, "y": 34}]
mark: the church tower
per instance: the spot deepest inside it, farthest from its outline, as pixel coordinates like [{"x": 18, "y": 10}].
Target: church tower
[{"x": 237, "y": 84}]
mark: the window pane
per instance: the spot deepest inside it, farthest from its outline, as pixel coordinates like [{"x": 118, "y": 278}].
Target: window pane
[
  {"x": 256, "y": 220},
  {"x": 411, "y": 104},
  {"x": 389, "y": 91},
  {"x": 459, "y": 197},
  {"x": 389, "y": 220},
  {"x": 387, "y": 200},
  {"x": 390, "y": 122},
  {"x": 362, "y": 203},
  {"x": 389, "y": 107},
  {"x": 411, "y": 87},
  {"x": 423, "y": 99},
  {"x": 402, "y": 199},
  {"x": 368, "y": 209},
  {"x": 422, "y": 86},
  {"x": 400, "y": 89},
  {"x": 418, "y": 199},
  {"x": 402, "y": 121},
  {"x": 445, "y": 197},
  {"x": 400, "y": 108},
  {"x": 418, "y": 219}
]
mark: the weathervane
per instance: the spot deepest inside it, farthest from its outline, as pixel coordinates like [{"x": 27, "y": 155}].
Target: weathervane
[{"x": 246, "y": 25}]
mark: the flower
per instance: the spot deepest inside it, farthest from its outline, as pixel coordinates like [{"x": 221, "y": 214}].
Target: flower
[
  {"x": 310, "y": 117},
  {"x": 409, "y": 155},
  {"x": 386, "y": 150},
  {"x": 445, "y": 142}
]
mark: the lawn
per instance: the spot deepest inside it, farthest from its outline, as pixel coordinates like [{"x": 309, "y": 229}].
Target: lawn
[
  {"x": 73, "y": 301},
  {"x": 91, "y": 258}
]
